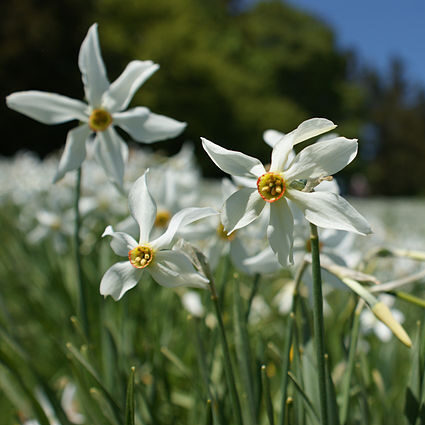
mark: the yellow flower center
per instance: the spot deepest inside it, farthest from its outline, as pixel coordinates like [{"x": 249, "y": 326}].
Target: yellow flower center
[
  {"x": 141, "y": 256},
  {"x": 271, "y": 186},
  {"x": 100, "y": 120},
  {"x": 222, "y": 234},
  {"x": 162, "y": 218}
]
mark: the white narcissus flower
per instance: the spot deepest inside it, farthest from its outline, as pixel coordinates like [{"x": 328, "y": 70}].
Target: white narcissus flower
[
  {"x": 274, "y": 187},
  {"x": 105, "y": 110},
  {"x": 170, "y": 268}
]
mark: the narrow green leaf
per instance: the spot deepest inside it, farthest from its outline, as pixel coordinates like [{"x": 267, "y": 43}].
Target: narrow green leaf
[
  {"x": 89, "y": 368},
  {"x": 331, "y": 396},
  {"x": 310, "y": 409},
  {"x": 38, "y": 411},
  {"x": 285, "y": 365},
  {"x": 267, "y": 395},
  {"x": 129, "y": 403},
  {"x": 350, "y": 364},
  {"x": 243, "y": 352}
]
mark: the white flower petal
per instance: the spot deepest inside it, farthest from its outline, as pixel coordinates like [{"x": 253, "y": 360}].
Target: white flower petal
[
  {"x": 281, "y": 153},
  {"x": 241, "y": 208},
  {"x": 329, "y": 210},
  {"x": 110, "y": 154},
  {"x": 264, "y": 262},
  {"x": 145, "y": 126},
  {"x": 93, "y": 72},
  {"x": 122, "y": 90},
  {"x": 173, "y": 268},
  {"x": 142, "y": 207},
  {"x": 182, "y": 218},
  {"x": 272, "y": 137},
  {"x": 119, "y": 279},
  {"x": 280, "y": 231},
  {"x": 311, "y": 128},
  {"x": 232, "y": 162},
  {"x": 74, "y": 152},
  {"x": 121, "y": 242},
  {"x": 48, "y": 108},
  {"x": 322, "y": 159},
  {"x": 304, "y": 131}
]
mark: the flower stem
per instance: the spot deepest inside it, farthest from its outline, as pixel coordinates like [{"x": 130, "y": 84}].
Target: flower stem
[
  {"x": 350, "y": 363},
  {"x": 82, "y": 304},
  {"x": 254, "y": 289},
  {"x": 288, "y": 343},
  {"x": 318, "y": 322}
]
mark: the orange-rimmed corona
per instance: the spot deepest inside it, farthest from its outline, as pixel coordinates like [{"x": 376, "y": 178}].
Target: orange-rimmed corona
[
  {"x": 271, "y": 186},
  {"x": 100, "y": 119},
  {"x": 141, "y": 256}
]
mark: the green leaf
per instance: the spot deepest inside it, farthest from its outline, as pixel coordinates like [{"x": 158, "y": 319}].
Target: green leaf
[{"x": 129, "y": 403}]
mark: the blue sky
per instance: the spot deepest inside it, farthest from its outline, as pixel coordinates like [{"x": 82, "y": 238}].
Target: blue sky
[{"x": 377, "y": 30}]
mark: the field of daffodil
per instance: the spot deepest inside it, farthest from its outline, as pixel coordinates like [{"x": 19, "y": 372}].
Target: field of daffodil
[{"x": 135, "y": 291}]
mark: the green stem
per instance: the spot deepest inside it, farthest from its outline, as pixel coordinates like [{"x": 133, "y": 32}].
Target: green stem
[
  {"x": 350, "y": 363},
  {"x": 288, "y": 342},
  {"x": 409, "y": 297},
  {"x": 252, "y": 294},
  {"x": 82, "y": 304},
  {"x": 318, "y": 322},
  {"x": 267, "y": 394},
  {"x": 230, "y": 377}
]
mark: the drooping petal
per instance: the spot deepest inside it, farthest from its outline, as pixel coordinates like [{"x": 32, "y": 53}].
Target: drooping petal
[
  {"x": 48, "y": 108},
  {"x": 272, "y": 137},
  {"x": 280, "y": 231},
  {"x": 122, "y": 90},
  {"x": 329, "y": 210},
  {"x": 119, "y": 279},
  {"x": 322, "y": 159},
  {"x": 241, "y": 208},
  {"x": 110, "y": 154},
  {"x": 233, "y": 162},
  {"x": 74, "y": 152},
  {"x": 93, "y": 72},
  {"x": 142, "y": 207},
  {"x": 173, "y": 268},
  {"x": 145, "y": 126},
  {"x": 182, "y": 218},
  {"x": 121, "y": 242}
]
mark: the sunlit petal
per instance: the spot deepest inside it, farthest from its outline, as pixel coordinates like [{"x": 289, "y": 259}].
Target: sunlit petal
[
  {"x": 145, "y": 126},
  {"x": 74, "y": 152},
  {"x": 232, "y": 162},
  {"x": 241, "y": 208},
  {"x": 329, "y": 210},
  {"x": 121, "y": 243},
  {"x": 142, "y": 207},
  {"x": 122, "y": 90},
  {"x": 119, "y": 279},
  {"x": 93, "y": 72},
  {"x": 322, "y": 159},
  {"x": 280, "y": 231},
  {"x": 48, "y": 108}
]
